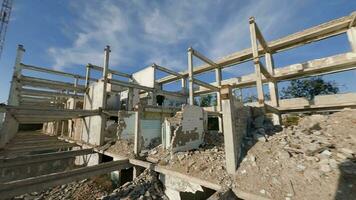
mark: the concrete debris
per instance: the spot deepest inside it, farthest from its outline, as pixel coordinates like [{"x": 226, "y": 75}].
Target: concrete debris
[
  {"x": 145, "y": 186},
  {"x": 318, "y": 155},
  {"x": 87, "y": 189}
]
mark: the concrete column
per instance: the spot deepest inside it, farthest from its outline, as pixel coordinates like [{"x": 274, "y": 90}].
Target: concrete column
[
  {"x": 105, "y": 73},
  {"x": 10, "y": 124},
  {"x": 184, "y": 85},
  {"x": 191, "y": 81},
  {"x": 259, "y": 84},
  {"x": 351, "y": 35},
  {"x": 14, "y": 95},
  {"x": 218, "y": 78},
  {"x": 130, "y": 97},
  {"x": 273, "y": 88},
  {"x": 75, "y": 84},
  {"x": 232, "y": 152},
  {"x": 137, "y": 135},
  {"x": 87, "y": 76}
]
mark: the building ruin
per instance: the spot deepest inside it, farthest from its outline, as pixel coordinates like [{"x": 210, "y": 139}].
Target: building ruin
[{"x": 84, "y": 116}]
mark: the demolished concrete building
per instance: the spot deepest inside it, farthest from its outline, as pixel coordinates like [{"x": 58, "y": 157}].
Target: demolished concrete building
[{"x": 121, "y": 121}]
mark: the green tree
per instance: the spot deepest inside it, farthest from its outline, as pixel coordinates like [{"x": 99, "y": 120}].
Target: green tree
[
  {"x": 208, "y": 100},
  {"x": 309, "y": 88}
]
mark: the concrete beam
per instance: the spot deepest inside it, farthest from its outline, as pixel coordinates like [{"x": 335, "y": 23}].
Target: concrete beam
[
  {"x": 203, "y": 58},
  {"x": 313, "y": 34},
  {"x": 31, "y": 92},
  {"x": 51, "y": 71},
  {"x": 35, "y": 148},
  {"x": 38, "y": 158},
  {"x": 14, "y": 188},
  {"x": 163, "y": 69},
  {"x": 50, "y": 84},
  {"x": 327, "y": 65},
  {"x": 206, "y": 85},
  {"x": 98, "y": 68}
]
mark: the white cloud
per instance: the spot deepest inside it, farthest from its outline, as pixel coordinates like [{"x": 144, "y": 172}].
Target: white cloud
[{"x": 143, "y": 32}]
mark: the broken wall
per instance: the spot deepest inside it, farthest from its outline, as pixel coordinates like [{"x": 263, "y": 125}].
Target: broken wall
[
  {"x": 184, "y": 131},
  {"x": 150, "y": 128}
]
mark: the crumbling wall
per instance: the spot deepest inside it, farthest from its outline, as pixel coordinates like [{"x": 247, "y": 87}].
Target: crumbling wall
[
  {"x": 125, "y": 128},
  {"x": 185, "y": 130}
]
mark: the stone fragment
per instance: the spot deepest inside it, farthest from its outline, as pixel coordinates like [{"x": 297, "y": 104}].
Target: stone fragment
[
  {"x": 325, "y": 168},
  {"x": 260, "y": 137},
  {"x": 326, "y": 153},
  {"x": 346, "y": 151}
]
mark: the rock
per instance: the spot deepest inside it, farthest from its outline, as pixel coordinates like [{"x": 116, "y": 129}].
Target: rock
[
  {"x": 260, "y": 137},
  {"x": 326, "y": 153},
  {"x": 263, "y": 191},
  {"x": 341, "y": 156},
  {"x": 283, "y": 155},
  {"x": 325, "y": 168},
  {"x": 346, "y": 151},
  {"x": 333, "y": 163},
  {"x": 300, "y": 168}
]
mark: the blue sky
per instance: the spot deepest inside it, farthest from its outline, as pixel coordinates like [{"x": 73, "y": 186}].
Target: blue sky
[{"x": 66, "y": 35}]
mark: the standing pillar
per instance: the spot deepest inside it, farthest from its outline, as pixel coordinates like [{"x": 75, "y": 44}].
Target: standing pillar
[
  {"x": 138, "y": 135},
  {"x": 273, "y": 89},
  {"x": 191, "y": 80},
  {"x": 14, "y": 95},
  {"x": 351, "y": 35},
  {"x": 10, "y": 124},
  {"x": 105, "y": 74},
  {"x": 218, "y": 78},
  {"x": 231, "y": 143},
  {"x": 87, "y": 76},
  {"x": 259, "y": 84},
  {"x": 184, "y": 85}
]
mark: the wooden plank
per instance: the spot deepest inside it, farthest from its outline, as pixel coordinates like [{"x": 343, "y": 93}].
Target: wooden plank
[
  {"x": 39, "y": 183},
  {"x": 38, "y": 158}
]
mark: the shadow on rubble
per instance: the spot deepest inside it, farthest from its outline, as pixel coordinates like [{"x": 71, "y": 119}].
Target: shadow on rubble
[
  {"x": 259, "y": 128},
  {"x": 347, "y": 181}
]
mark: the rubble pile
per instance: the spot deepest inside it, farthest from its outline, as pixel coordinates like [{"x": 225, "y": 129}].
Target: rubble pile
[
  {"x": 123, "y": 147},
  {"x": 82, "y": 190},
  {"x": 312, "y": 160},
  {"x": 146, "y": 186}
]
